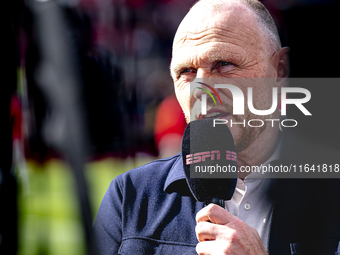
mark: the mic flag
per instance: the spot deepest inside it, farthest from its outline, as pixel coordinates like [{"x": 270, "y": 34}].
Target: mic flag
[{"x": 209, "y": 161}]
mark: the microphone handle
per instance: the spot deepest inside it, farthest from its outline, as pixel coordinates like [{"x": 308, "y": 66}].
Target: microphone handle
[{"x": 216, "y": 201}]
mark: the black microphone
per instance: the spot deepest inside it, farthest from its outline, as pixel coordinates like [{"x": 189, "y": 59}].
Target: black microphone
[{"x": 209, "y": 161}]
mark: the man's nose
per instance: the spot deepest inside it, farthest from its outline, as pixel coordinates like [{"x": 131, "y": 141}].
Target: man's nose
[
  {"x": 201, "y": 88},
  {"x": 202, "y": 77},
  {"x": 203, "y": 73}
]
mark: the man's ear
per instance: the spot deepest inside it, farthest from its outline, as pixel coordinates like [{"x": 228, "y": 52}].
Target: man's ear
[{"x": 282, "y": 63}]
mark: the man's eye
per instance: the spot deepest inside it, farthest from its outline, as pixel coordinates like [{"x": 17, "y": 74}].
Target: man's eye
[
  {"x": 223, "y": 63},
  {"x": 186, "y": 70}
]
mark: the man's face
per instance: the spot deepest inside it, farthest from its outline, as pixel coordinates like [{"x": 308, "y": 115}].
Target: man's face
[{"x": 224, "y": 45}]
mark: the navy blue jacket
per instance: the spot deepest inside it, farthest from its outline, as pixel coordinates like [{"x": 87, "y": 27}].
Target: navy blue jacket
[{"x": 150, "y": 210}]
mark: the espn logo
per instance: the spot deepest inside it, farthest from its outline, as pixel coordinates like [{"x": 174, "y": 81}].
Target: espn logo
[{"x": 212, "y": 155}]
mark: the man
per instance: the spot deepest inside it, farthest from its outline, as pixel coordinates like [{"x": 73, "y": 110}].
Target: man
[
  {"x": 150, "y": 210},
  {"x": 226, "y": 39}
]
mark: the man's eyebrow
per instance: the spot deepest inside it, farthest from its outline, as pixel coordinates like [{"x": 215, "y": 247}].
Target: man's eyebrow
[
  {"x": 211, "y": 59},
  {"x": 180, "y": 66}
]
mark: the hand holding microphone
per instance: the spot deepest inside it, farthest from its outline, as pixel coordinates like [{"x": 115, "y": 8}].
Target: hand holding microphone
[{"x": 218, "y": 231}]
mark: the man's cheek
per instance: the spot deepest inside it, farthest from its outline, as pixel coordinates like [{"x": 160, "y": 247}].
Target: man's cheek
[
  {"x": 195, "y": 110},
  {"x": 235, "y": 129},
  {"x": 181, "y": 97}
]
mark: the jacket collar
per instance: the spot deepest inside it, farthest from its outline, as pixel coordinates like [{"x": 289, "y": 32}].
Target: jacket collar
[{"x": 176, "y": 173}]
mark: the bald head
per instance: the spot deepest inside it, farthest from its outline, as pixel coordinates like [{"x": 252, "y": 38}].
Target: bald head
[{"x": 262, "y": 16}]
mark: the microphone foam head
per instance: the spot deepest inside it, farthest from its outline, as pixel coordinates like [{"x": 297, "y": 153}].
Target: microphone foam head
[{"x": 209, "y": 160}]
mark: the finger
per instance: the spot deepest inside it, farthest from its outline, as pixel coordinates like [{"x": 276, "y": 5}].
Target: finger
[
  {"x": 213, "y": 247},
  {"x": 206, "y": 231},
  {"x": 215, "y": 214}
]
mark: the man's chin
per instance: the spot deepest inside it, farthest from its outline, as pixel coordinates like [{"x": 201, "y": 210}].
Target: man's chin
[{"x": 248, "y": 136}]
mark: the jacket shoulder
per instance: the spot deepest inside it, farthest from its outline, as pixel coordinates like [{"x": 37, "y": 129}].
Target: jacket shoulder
[{"x": 150, "y": 174}]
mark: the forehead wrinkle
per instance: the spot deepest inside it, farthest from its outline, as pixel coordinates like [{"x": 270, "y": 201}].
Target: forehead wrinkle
[
  {"x": 210, "y": 35},
  {"x": 195, "y": 60},
  {"x": 216, "y": 34}
]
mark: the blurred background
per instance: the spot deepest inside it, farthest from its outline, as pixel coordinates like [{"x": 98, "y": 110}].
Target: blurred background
[{"x": 86, "y": 95}]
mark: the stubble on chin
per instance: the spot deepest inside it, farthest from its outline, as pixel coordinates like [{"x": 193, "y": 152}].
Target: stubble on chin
[{"x": 249, "y": 134}]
